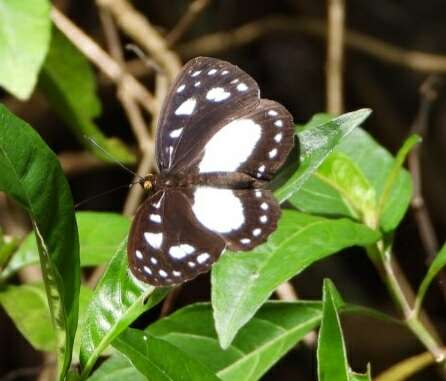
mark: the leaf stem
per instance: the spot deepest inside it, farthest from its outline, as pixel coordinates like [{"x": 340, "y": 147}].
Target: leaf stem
[{"x": 381, "y": 255}]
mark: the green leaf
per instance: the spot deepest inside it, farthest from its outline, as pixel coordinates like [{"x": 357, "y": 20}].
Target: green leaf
[
  {"x": 385, "y": 203},
  {"x": 343, "y": 175},
  {"x": 375, "y": 163},
  {"x": 331, "y": 351},
  {"x": 117, "y": 368},
  {"x": 316, "y": 143},
  {"x": 68, "y": 82},
  {"x": 100, "y": 235},
  {"x": 275, "y": 329},
  {"x": 27, "y": 307},
  {"x": 25, "y": 31},
  {"x": 438, "y": 263},
  {"x": 315, "y": 121},
  {"x": 117, "y": 301},
  {"x": 31, "y": 174},
  {"x": 8, "y": 245},
  {"x": 159, "y": 360},
  {"x": 353, "y": 376},
  {"x": 242, "y": 282}
]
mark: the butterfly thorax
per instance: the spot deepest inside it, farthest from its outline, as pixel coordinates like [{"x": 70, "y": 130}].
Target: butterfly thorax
[{"x": 223, "y": 180}]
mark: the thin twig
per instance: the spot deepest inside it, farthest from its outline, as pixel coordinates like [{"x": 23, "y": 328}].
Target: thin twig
[
  {"x": 335, "y": 54},
  {"x": 102, "y": 60},
  {"x": 287, "y": 293},
  {"x": 137, "y": 27},
  {"x": 217, "y": 43},
  {"x": 428, "y": 95},
  {"x": 403, "y": 296},
  {"x": 428, "y": 92},
  {"x": 169, "y": 302},
  {"x": 74, "y": 163},
  {"x": 406, "y": 368},
  {"x": 129, "y": 104},
  {"x": 136, "y": 192},
  {"x": 195, "y": 8}
]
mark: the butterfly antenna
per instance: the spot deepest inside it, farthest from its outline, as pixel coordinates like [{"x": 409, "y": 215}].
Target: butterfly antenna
[
  {"x": 147, "y": 61},
  {"x": 103, "y": 194},
  {"x": 92, "y": 141}
]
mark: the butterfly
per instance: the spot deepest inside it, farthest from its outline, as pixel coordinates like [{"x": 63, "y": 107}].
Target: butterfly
[{"x": 218, "y": 144}]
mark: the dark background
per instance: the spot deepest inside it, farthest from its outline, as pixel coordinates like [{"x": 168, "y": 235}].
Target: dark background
[{"x": 290, "y": 68}]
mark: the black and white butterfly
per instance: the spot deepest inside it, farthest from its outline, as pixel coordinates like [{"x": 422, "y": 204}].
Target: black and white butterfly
[{"x": 217, "y": 146}]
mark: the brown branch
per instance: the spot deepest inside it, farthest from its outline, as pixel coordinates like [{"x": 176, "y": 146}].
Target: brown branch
[
  {"x": 136, "y": 193},
  {"x": 137, "y": 27},
  {"x": 428, "y": 92},
  {"x": 335, "y": 53},
  {"x": 102, "y": 60},
  {"x": 129, "y": 104},
  {"x": 169, "y": 302},
  {"x": 74, "y": 163},
  {"x": 195, "y": 8},
  {"x": 216, "y": 43}
]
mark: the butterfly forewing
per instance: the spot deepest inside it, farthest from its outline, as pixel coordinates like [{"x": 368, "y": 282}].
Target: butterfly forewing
[
  {"x": 167, "y": 245},
  {"x": 257, "y": 143},
  {"x": 208, "y": 94}
]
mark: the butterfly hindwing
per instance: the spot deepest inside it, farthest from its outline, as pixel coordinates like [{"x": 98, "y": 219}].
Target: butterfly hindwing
[
  {"x": 167, "y": 245},
  {"x": 207, "y": 94},
  {"x": 244, "y": 218}
]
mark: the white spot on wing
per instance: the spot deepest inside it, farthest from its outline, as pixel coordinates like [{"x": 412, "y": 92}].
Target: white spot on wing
[
  {"x": 218, "y": 209},
  {"x": 181, "y": 88},
  {"x": 191, "y": 264},
  {"x": 264, "y": 206},
  {"x": 138, "y": 254},
  {"x": 203, "y": 258},
  {"x": 242, "y": 87},
  {"x": 180, "y": 251},
  {"x": 272, "y": 113},
  {"x": 278, "y": 137},
  {"x": 197, "y": 83},
  {"x": 258, "y": 193},
  {"x": 153, "y": 260},
  {"x": 187, "y": 107},
  {"x": 262, "y": 168},
  {"x": 154, "y": 239},
  {"x": 230, "y": 146},
  {"x": 147, "y": 270},
  {"x": 175, "y": 133},
  {"x": 162, "y": 273},
  {"x": 278, "y": 123},
  {"x": 263, "y": 219},
  {"x": 217, "y": 94},
  {"x": 212, "y": 71},
  {"x": 195, "y": 73},
  {"x": 272, "y": 153},
  {"x": 256, "y": 232},
  {"x": 176, "y": 273},
  {"x": 235, "y": 80},
  {"x": 245, "y": 241},
  {"x": 224, "y": 72},
  {"x": 155, "y": 218}
]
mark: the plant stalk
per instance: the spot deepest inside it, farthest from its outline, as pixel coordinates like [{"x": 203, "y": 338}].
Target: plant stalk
[{"x": 381, "y": 255}]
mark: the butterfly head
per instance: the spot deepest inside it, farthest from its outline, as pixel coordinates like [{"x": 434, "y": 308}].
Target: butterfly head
[{"x": 148, "y": 182}]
